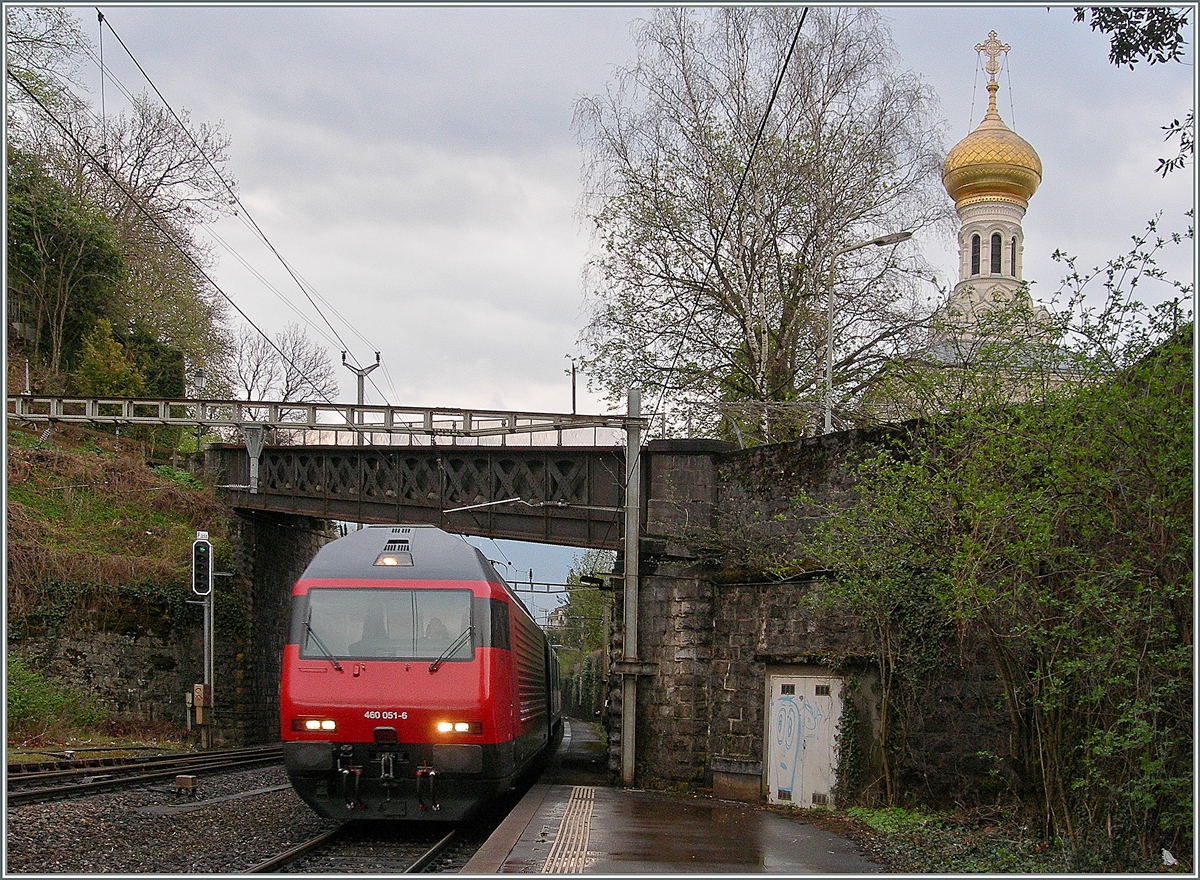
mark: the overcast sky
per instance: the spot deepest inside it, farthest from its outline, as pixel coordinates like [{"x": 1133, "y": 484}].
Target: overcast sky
[{"x": 417, "y": 165}]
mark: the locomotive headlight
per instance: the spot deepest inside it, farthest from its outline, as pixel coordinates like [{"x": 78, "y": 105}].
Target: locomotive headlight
[
  {"x": 475, "y": 727},
  {"x": 314, "y": 724}
]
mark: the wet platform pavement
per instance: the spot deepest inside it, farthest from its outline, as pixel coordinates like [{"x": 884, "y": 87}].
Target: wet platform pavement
[{"x": 571, "y": 822}]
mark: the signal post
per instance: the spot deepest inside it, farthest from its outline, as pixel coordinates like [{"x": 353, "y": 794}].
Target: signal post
[{"x": 200, "y": 700}]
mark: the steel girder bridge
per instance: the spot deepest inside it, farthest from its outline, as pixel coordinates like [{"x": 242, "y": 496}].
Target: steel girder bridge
[
  {"x": 436, "y": 467},
  {"x": 481, "y": 472}
]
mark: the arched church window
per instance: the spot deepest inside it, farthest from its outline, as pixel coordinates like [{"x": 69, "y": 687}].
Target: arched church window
[
  {"x": 974, "y": 254},
  {"x": 997, "y": 246},
  {"x": 1012, "y": 265}
]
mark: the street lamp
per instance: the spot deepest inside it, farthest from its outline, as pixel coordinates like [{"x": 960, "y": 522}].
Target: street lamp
[
  {"x": 201, "y": 377},
  {"x": 893, "y": 238}
]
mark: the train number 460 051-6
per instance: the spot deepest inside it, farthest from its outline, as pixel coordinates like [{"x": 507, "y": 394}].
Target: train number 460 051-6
[{"x": 385, "y": 715}]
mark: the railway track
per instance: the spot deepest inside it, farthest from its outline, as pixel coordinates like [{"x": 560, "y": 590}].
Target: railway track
[
  {"x": 359, "y": 848},
  {"x": 31, "y": 786}
]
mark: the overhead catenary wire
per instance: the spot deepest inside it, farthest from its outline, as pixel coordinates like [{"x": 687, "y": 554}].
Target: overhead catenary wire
[
  {"x": 110, "y": 76},
  {"x": 103, "y": 112},
  {"x": 244, "y": 211},
  {"x": 154, "y": 221},
  {"x": 712, "y": 263},
  {"x": 115, "y": 80},
  {"x": 102, "y": 164}
]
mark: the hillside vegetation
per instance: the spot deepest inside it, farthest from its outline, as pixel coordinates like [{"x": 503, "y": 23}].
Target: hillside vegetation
[{"x": 98, "y": 542}]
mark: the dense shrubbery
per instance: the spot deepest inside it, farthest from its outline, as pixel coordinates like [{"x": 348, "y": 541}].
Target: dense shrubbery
[
  {"x": 1044, "y": 506},
  {"x": 37, "y": 707}
]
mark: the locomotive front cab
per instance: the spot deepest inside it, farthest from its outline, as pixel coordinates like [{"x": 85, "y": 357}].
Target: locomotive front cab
[{"x": 393, "y": 699}]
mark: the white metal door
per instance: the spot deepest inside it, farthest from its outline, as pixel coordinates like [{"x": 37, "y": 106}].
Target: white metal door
[{"x": 802, "y": 725}]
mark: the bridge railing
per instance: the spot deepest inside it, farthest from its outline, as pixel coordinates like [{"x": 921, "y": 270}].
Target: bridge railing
[{"x": 327, "y": 420}]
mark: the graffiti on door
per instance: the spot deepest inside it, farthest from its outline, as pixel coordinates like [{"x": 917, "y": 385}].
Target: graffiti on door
[{"x": 803, "y": 718}]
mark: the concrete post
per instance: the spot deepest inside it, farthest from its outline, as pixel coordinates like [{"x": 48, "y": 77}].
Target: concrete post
[{"x": 633, "y": 526}]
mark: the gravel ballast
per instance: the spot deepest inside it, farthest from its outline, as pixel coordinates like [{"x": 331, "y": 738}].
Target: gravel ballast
[{"x": 236, "y": 821}]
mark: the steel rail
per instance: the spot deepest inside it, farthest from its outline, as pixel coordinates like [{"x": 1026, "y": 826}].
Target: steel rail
[
  {"x": 38, "y": 772},
  {"x": 69, "y": 789},
  {"x": 277, "y": 863},
  {"x": 424, "y": 861},
  {"x": 273, "y": 864}
]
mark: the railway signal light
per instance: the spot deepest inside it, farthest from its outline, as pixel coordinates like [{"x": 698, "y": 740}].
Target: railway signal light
[{"x": 202, "y": 570}]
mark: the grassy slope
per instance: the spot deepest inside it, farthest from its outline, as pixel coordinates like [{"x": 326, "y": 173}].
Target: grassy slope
[{"x": 96, "y": 539}]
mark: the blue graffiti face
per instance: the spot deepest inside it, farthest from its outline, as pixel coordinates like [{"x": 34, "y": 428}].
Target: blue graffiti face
[
  {"x": 786, "y": 715},
  {"x": 814, "y": 717}
]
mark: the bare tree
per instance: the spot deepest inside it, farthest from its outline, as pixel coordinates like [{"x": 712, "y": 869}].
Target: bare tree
[
  {"x": 306, "y": 370},
  {"x": 721, "y": 301},
  {"x": 253, "y": 366},
  {"x": 289, "y": 367},
  {"x": 44, "y": 47}
]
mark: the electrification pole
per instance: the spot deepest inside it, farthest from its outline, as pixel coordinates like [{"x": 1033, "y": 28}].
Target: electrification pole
[
  {"x": 633, "y": 527},
  {"x": 361, "y": 373}
]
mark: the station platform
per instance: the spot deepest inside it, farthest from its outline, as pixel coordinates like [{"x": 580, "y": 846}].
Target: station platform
[{"x": 564, "y": 827}]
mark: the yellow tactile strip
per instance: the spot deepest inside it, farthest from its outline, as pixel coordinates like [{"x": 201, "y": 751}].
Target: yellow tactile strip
[{"x": 568, "y": 853}]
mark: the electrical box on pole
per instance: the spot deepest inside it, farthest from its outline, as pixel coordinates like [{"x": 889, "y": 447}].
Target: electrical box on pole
[{"x": 202, "y": 567}]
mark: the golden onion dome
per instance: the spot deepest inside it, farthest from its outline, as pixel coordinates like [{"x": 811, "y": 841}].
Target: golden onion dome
[{"x": 993, "y": 163}]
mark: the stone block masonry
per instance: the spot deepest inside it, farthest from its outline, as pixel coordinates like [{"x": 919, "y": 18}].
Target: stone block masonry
[
  {"x": 713, "y": 626},
  {"x": 271, "y": 551}
]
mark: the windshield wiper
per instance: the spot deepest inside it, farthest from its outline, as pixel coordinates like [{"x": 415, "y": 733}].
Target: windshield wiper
[
  {"x": 320, "y": 644},
  {"x": 450, "y": 650}
]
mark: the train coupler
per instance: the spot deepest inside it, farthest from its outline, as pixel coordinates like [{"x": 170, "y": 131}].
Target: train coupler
[
  {"x": 351, "y": 776},
  {"x": 425, "y": 785}
]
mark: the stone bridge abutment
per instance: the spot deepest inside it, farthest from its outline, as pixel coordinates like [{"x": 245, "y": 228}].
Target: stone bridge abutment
[{"x": 712, "y": 627}]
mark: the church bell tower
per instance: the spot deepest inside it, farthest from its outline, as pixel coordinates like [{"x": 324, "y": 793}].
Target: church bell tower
[{"x": 990, "y": 174}]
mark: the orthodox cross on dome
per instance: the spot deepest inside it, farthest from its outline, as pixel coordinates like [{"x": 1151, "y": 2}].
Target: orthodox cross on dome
[{"x": 992, "y": 48}]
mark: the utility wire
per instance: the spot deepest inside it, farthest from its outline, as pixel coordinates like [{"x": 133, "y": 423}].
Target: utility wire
[
  {"x": 244, "y": 211},
  {"x": 712, "y": 265},
  {"x": 165, "y": 233},
  {"x": 717, "y": 247}
]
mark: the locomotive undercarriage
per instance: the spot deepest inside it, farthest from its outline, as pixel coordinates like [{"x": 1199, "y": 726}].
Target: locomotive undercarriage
[{"x": 398, "y": 780}]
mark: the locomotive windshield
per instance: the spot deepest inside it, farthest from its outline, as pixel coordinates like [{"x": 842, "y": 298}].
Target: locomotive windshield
[{"x": 375, "y": 623}]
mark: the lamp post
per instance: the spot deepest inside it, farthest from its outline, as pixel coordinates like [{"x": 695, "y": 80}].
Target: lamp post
[
  {"x": 200, "y": 377},
  {"x": 893, "y": 238}
]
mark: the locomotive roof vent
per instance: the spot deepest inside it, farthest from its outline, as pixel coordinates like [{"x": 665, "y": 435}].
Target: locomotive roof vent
[{"x": 395, "y": 545}]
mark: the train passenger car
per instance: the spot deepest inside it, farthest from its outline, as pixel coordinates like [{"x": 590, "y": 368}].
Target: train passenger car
[{"x": 415, "y": 684}]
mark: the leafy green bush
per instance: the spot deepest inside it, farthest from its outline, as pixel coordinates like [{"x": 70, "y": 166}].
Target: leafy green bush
[
  {"x": 183, "y": 478},
  {"x": 892, "y": 820},
  {"x": 36, "y": 705},
  {"x": 1044, "y": 510}
]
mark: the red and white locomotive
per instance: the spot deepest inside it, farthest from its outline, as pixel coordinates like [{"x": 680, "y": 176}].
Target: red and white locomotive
[{"x": 415, "y": 683}]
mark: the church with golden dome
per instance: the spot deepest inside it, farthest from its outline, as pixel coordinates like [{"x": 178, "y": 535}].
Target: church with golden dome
[{"x": 991, "y": 175}]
